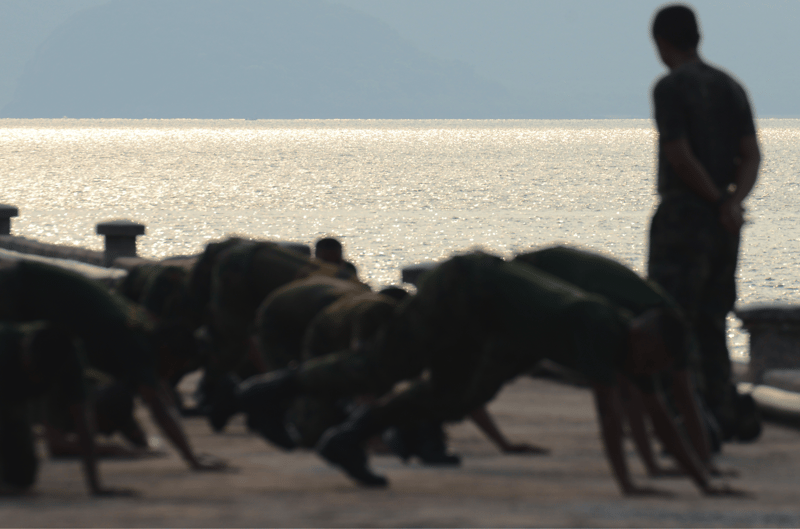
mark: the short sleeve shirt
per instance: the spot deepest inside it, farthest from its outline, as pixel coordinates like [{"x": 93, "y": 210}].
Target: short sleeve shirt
[{"x": 710, "y": 109}]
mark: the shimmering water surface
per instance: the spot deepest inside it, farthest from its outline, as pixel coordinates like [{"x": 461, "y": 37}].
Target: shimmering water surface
[{"x": 395, "y": 192}]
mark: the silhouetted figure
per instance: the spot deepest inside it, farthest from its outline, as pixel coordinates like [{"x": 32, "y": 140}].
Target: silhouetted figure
[
  {"x": 117, "y": 337},
  {"x": 708, "y": 161},
  {"x": 38, "y": 359},
  {"x": 476, "y": 323},
  {"x": 330, "y": 250}
]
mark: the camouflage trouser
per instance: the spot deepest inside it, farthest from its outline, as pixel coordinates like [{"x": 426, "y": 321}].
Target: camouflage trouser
[
  {"x": 309, "y": 416},
  {"x": 18, "y": 463},
  {"x": 694, "y": 259},
  {"x": 445, "y": 339}
]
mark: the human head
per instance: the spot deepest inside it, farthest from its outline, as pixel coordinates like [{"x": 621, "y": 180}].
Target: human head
[
  {"x": 396, "y": 293},
  {"x": 677, "y": 25},
  {"x": 329, "y": 249}
]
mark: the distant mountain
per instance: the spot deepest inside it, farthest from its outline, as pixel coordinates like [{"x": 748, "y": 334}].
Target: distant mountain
[
  {"x": 595, "y": 59},
  {"x": 243, "y": 59}
]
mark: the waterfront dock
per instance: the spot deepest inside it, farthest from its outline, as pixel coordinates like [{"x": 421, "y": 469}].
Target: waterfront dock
[{"x": 570, "y": 487}]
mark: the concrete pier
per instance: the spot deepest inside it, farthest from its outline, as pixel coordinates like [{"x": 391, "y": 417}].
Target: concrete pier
[
  {"x": 570, "y": 487},
  {"x": 774, "y": 338}
]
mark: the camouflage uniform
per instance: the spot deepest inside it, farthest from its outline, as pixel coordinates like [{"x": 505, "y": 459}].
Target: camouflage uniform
[
  {"x": 285, "y": 315},
  {"x": 619, "y": 284},
  {"x": 691, "y": 255},
  {"x": 201, "y": 274},
  {"x": 475, "y": 323},
  {"x": 243, "y": 276},
  {"x": 26, "y": 375},
  {"x": 351, "y": 318}
]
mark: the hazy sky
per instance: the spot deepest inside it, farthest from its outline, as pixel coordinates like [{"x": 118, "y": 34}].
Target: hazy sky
[
  {"x": 597, "y": 55},
  {"x": 556, "y": 58}
]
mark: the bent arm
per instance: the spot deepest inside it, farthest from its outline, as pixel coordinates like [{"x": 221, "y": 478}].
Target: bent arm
[
  {"x": 747, "y": 170},
  {"x": 167, "y": 418},
  {"x": 689, "y": 169},
  {"x": 87, "y": 450}
]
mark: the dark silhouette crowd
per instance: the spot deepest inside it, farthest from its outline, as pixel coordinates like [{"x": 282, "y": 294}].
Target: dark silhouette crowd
[{"x": 313, "y": 357}]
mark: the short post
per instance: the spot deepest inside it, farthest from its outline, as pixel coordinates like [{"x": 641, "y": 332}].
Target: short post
[
  {"x": 120, "y": 238},
  {"x": 6, "y": 212},
  {"x": 774, "y": 338}
]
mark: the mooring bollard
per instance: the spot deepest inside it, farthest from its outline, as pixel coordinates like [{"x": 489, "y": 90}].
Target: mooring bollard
[
  {"x": 774, "y": 338},
  {"x": 6, "y": 212},
  {"x": 120, "y": 238}
]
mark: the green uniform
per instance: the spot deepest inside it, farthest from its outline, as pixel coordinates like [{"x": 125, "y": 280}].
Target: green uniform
[
  {"x": 243, "y": 275},
  {"x": 55, "y": 367},
  {"x": 285, "y": 315},
  {"x": 350, "y": 318},
  {"x": 619, "y": 284},
  {"x": 475, "y": 323},
  {"x": 692, "y": 256},
  {"x": 353, "y": 317},
  {"x": 200, "y": 277},
  {"x": 111, "y": 329}
]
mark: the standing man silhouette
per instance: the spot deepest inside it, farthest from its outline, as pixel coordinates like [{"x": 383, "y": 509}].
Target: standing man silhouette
[{"x": 708, "y": 159}]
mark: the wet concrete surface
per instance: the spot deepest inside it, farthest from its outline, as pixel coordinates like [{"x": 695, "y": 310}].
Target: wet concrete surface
[{"x": 570, "y": 487}]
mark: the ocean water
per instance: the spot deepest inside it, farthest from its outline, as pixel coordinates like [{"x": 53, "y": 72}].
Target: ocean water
[{"x": 395, "y": 192}]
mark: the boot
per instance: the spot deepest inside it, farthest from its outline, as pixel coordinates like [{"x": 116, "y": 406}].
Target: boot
[
  {"x": 399, "y": 442},
  {"x": 748, "y": 419},
  {"x": 432, "y": 446},
  {"x": 263, "y": 398},
  {"x": 343, "y": 446},
  {"x": 225, "y": 403}
]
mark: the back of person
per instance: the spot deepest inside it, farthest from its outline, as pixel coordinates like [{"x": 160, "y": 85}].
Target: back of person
[
  {"x": 476, "y": 314},
  {"x": 600, "y": 275},
  {"x": 712, "y": 110},
  {"x": 283, "y": 318},
  {"x": 333, "y": 330},
  {"x": 350, "y": 318}
]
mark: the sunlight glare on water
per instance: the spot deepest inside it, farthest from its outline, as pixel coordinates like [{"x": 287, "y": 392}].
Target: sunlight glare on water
[{"x": 396, "y": 192}]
